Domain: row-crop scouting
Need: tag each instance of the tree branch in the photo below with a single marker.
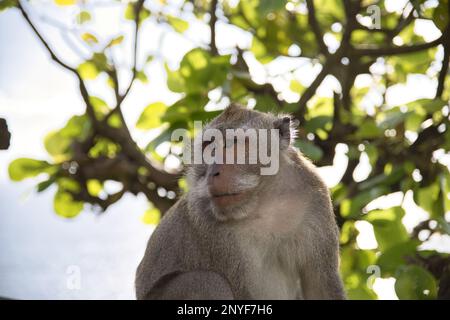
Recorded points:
(132, 157)
(443, 73)
(311, 90)
(445, 61)
(315, 26)
(83, 89)
(137, 13)
(212, 26)
(376, 52)
(43, 41)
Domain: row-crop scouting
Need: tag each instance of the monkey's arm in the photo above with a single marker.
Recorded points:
(320, 269)
(321, 283)
(195, 285)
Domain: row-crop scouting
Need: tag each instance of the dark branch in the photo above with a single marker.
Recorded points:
(376, 52)
(445, 61)
(443, 73)
(212, 26)
(43, 41)
(315, 26)
(137, 13)
(311, 90)
(83, 90)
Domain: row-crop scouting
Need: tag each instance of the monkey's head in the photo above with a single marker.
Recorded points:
(245, 149)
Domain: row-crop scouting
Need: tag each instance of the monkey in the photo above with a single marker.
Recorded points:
(237, 234)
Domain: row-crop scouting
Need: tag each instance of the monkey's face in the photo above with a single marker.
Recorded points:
(225, 188)
(230, 183)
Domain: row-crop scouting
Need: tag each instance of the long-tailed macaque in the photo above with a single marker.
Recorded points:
(238, 234)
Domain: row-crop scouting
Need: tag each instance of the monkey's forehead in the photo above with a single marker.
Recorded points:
(256, 121)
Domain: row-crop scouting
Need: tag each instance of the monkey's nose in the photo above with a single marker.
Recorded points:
(215, 170)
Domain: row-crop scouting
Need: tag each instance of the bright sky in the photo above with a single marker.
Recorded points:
(37, 96)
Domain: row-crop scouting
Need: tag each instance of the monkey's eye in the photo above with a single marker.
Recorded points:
(231, 142)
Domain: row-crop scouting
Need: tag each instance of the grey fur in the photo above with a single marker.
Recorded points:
(281, 244)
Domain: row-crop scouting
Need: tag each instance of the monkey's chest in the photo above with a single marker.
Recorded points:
(271, 275)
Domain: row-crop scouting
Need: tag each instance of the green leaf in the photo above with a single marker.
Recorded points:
(89, 38)
(260, 51)
(368, 130)
(100, 61)
(141, 76)
(88, 70)
(413, 121)
(104, 147)
(68, 184)
(317, 123)
(391, 118)
(348, 232)
(266, 6)
(309, 150)
(417, 62)
(164, 136)
(175, 82)
(100, 107)
(6, 4)
(149, 59)
(65, 206)
(322, 106)
(441, 15)
(383, 179)
(353, 268)
(445, 187)
(130, 12)
(427, 197)
(395, 256)
(115, 41)
(23, 168)
(414, 282)
(296, 87)
(94, 187)
(249, 11)
(115, 121)
(150, 118)
(178, 24)
(65, 2)
(83, 17)
(57, 143)
(42, 186)
(199, 72)
(353, 207)
(151, 216)
(184, 109)
(388, 227)
(265, 103)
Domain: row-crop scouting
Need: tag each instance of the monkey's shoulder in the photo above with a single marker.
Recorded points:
(176, 247)
(174, 232)
(164, 255)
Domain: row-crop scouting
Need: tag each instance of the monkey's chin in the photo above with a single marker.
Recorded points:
(229, 207)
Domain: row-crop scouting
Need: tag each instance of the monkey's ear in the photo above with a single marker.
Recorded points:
(233, 108)
(287, 127)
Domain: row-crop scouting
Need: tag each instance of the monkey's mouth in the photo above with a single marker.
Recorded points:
(226, 199)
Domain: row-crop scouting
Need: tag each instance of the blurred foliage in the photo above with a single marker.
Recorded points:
(339, 40)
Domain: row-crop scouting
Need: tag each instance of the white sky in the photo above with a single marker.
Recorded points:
(37, 96)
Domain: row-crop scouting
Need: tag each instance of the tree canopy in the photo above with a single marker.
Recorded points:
(362, 48)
